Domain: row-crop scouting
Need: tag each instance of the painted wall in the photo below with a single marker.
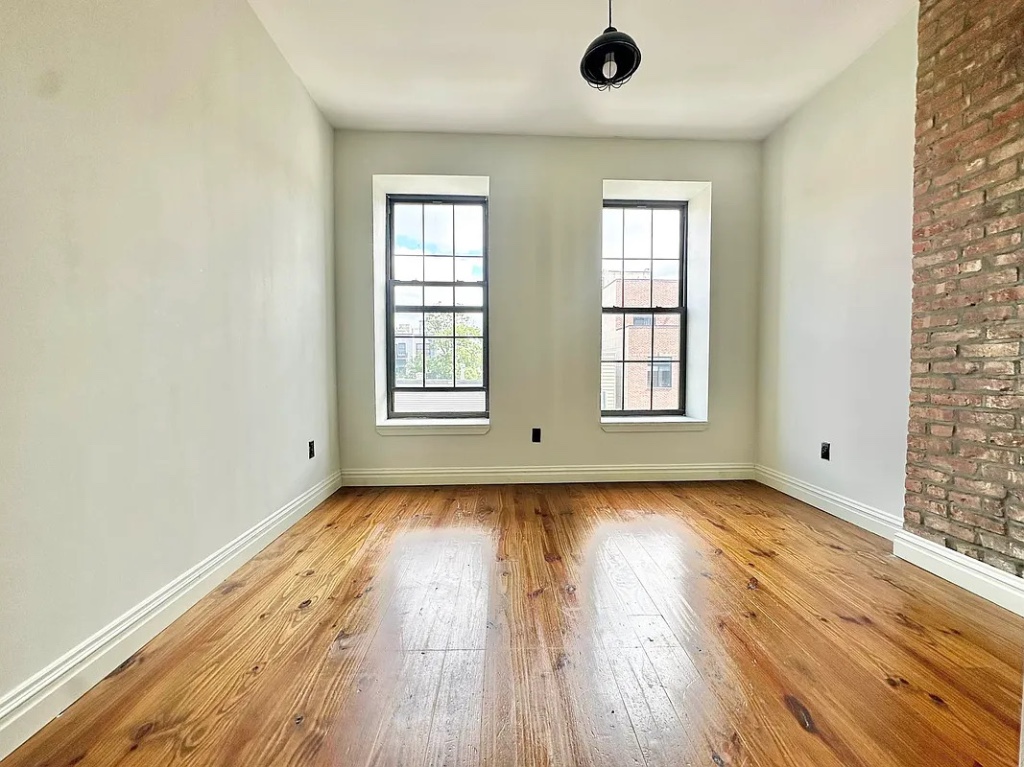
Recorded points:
(835, 298)
(166, 303)
(545, 300)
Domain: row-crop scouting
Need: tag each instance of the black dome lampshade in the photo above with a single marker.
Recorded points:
(611, 59)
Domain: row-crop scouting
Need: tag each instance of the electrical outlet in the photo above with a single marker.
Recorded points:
(826, 451)
(536, 435)
(312, 449)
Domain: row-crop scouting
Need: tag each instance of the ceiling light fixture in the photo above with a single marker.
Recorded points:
(611, 59)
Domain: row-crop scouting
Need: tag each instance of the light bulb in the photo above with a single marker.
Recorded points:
(610, 68)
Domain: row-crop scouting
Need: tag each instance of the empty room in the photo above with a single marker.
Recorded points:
(628, 383)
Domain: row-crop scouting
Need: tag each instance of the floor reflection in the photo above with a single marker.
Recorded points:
(419, 692)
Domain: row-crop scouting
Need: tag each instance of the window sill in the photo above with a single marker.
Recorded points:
(653, 424)
(425, 427)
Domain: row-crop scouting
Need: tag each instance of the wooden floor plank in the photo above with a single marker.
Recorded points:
(717, 624)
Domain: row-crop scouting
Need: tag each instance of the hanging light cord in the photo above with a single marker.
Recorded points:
(609, 13)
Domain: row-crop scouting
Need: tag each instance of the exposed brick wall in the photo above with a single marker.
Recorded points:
(965, 458)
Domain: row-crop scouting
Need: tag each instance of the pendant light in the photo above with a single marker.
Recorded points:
(611, 59)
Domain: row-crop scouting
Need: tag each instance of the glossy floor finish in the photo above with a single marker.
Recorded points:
(661, 624)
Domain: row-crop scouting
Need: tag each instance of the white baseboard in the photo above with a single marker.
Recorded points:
(497, 475)
(32, 704)
(866, 517)
(984, 580)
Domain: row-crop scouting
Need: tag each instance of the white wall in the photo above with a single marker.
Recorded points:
(544, 218)
(166, 303)
(836, 292)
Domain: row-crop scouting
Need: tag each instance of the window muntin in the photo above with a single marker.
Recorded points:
(643, 308)
(437, 307)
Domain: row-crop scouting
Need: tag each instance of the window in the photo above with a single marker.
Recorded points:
(643, 308)
(436, 307)
(660, 375)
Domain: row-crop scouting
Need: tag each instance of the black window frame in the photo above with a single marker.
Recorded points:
(679, 310)
(392, 309)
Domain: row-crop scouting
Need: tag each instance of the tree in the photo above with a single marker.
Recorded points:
(462, 356)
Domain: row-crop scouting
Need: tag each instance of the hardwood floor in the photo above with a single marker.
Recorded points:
(661, 624)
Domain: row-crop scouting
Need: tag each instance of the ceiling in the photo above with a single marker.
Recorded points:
(725, 69)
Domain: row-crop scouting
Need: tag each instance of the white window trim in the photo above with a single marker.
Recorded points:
(383, 185)
(697, 196)
(652, 424)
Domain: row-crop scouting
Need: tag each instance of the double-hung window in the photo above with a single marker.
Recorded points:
(643, 308)
(436, 307)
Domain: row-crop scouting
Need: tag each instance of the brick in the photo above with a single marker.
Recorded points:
(932, 382)
(957, 399)
(1007, 151)
(972, 520)
(991, 177)
(935, 352)
(949, 527)
(927, 474)
(956, 336)
(1005, 476)
(981, 487)
(990, 350)
(1005, 402)
(958, 367)
(999, 368)
(1005, 564)
(986, 384)
(982, 452)
(1001, 545)
(1007, 439)
(1010, 187)
(1006, 276)
(997, 420)
(991, 245)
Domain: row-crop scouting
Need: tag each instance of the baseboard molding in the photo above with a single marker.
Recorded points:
(31, 705)
(497, 475)
(984, 580)
(866, 517)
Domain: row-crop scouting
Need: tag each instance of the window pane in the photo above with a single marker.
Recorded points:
(636, 288)
(638, 336)
(666, 234)
(437, 230)
(408, 324)
(469, 230)
(437, 296)
(469, 324)
(611, 386)
(666, 284)
(667, 386)
(408, 268)
(469, 269)
(406, 296)
(469, 296)
(611, 281)
(469, 362)
(637, 228)
(638, 387)
(408, 362)
(611, 233)
(440, 324)
(611, 336)
(438, 269)
(440, 362)
(666, 336)
(427, 402)
(407, 221)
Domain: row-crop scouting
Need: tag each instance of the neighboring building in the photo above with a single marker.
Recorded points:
(641, 351)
